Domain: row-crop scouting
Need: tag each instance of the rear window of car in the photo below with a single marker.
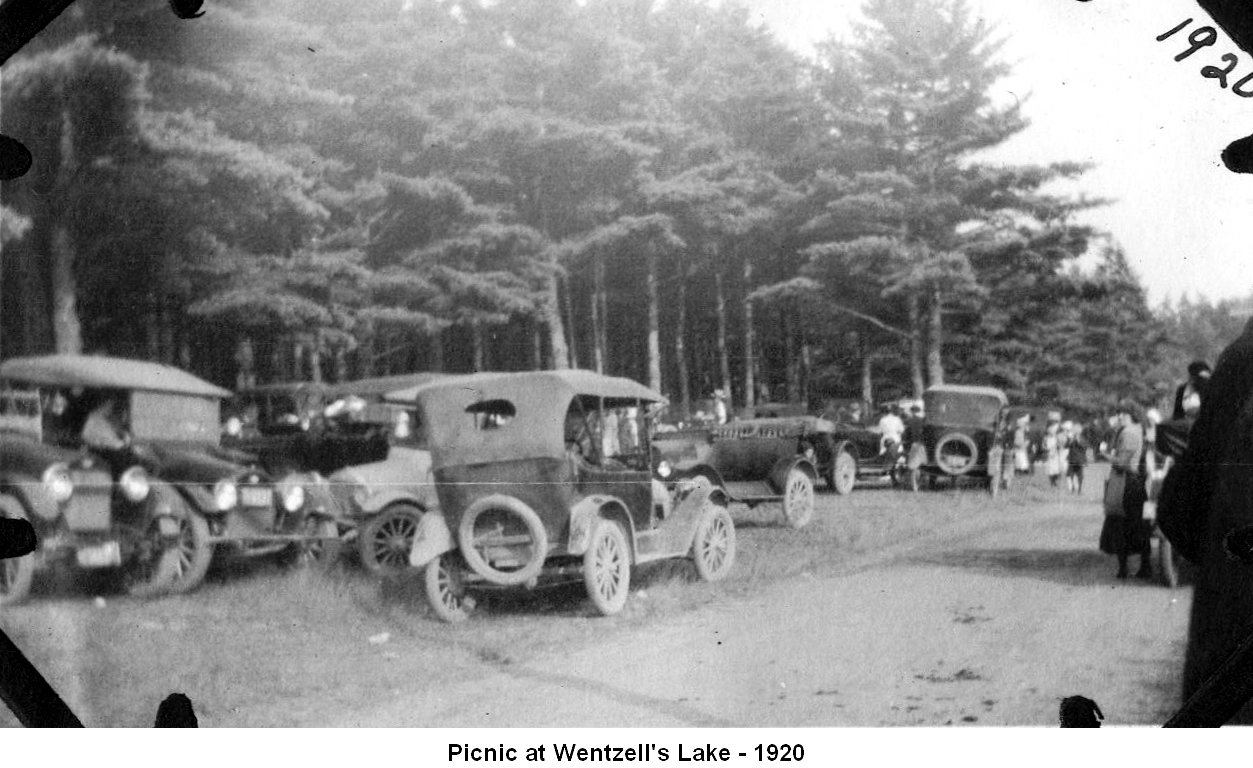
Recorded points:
(166, 417)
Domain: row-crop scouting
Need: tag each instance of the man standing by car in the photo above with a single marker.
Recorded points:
(1208, 494)
(892, 428)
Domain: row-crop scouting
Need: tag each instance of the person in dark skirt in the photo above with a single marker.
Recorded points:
(1126, 532)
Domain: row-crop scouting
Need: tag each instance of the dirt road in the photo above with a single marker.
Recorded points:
(890, 609)
(991, 625)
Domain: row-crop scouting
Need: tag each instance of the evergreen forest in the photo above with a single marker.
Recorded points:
(325, 190)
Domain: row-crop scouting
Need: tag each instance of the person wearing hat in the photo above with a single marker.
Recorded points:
(1125, 531)
(1188, 394)
(1052, 445)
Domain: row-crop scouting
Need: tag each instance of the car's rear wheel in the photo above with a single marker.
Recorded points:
(386, 539)
(843, 472)
(798, 498)
(444, 579)
(16, 573)
(607, 567)
(192, 549)
(713, 549)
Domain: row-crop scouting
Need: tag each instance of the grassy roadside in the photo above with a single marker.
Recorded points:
(271, 647)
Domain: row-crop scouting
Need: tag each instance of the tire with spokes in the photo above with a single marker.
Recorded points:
(607, 567)
(713, 549)
(152, 566)
(843, 472)
(386, 539)
(798, 498)
(444, 581)
(192, 551)
(16, 573)
(321, 547)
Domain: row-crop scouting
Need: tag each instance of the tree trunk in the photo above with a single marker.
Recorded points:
(791, 359)
(168, 328)
(599, 316)
(365, 355)
(315, 360)
(654, 323)
(565, 317)
(720, 311)
(806, 367)
(245, 357)
(867, 379)
(680, 352)
(436, 345)
(339, 363)
(476, 347)
(550, 313)
(749, 342)
(915, 345)
(537, 346)
(935, 339)
(66, 330)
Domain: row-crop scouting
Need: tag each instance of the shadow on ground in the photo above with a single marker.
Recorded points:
(1075, 567)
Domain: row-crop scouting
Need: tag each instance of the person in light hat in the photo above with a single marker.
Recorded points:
(1052, 445)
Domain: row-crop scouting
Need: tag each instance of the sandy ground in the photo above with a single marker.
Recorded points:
(992, 625)
(989, 615)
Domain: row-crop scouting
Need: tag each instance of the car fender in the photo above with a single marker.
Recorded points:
(778, 473)
(697, 470)
(377, 502)
(430, 540)
(198, 497)
(31, 494)
(687, 510)
(584, 515)
(163, 506)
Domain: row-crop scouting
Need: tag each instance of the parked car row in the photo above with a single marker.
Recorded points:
(479, 482)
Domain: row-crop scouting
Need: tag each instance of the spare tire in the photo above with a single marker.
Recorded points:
(956, 454)
(512, 519)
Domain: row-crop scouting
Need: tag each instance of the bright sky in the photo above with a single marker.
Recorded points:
(1104, 91)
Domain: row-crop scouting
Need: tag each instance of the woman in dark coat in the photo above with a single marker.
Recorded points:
(1129, 533)
(1207, 494)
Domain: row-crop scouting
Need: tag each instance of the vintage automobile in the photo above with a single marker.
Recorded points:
(964, 434)
(167, 421)
(90, 509)
(763, 460)
(373, 452)
(547, 476)
(862, 445)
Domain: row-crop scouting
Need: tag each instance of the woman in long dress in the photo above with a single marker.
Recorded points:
(1126, 532)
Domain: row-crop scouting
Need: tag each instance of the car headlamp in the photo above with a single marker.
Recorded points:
(135, 484)
(56, 480)
(225, 495)
(292, 496)
(664, 470)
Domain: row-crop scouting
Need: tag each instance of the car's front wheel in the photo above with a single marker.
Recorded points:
(321, 547)
(798, 498)
(153, 565)
(444, 580)
(192, 549)
(713, 549)
(843, 475)
(607, 568)
(385, 541)
(16, 573)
